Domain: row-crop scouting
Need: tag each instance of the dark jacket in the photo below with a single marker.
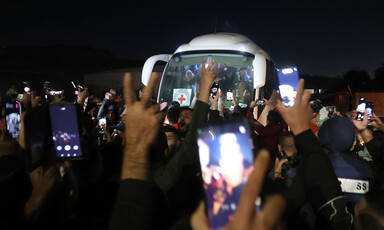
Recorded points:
(337, 134)
(316, 183)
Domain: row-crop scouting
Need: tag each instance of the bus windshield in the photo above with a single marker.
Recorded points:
(234, 72)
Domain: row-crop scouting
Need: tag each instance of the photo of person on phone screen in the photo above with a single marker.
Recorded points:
(230, 167)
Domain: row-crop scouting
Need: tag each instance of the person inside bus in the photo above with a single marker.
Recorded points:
(242, 75)
(242, 95)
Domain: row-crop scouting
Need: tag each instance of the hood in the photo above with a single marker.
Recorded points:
(337, 134)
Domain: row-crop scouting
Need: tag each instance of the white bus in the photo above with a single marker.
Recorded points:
(237, 59)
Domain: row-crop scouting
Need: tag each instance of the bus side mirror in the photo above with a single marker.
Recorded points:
(150, 63)
(259, 70)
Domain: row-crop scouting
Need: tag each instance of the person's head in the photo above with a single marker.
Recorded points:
(340, 110)
(111, 115)
(119, 96)
(242, 71)
(241, 85)
(174, 104)
(273, 117)
(231, 160)
(287, 143)
(189, 75)
(369, 211)
(91, 108)
(316, 106)
(173, 140)
(184, 119)
(337, 134)
(173, 114)
(118, 137)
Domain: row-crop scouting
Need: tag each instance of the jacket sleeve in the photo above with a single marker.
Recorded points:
(104, 108)
(214, 116)
(317, 182)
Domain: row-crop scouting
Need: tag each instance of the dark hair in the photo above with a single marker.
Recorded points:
(287, 140)
(273, 117)
(174, 104)
(342, 109)
(170, 128)
(173, 114)
(185, 108)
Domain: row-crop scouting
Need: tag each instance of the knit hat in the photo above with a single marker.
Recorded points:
(337, 134)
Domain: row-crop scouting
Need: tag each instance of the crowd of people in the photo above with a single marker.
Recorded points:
(140, 169)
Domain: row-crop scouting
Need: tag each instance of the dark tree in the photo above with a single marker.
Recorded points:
(358, 80)
(378, 81)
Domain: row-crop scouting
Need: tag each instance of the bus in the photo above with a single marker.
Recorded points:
(240, 66)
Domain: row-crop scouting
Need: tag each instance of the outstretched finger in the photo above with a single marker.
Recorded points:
(203, 65)
(148, 91)
(199, 220)
(252, 189)
(299, 91)
(280, 107)
(272, 210)
(306, 97)
(129, 95)
(210, 65)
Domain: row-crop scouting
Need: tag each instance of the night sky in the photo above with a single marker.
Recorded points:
(320, 38)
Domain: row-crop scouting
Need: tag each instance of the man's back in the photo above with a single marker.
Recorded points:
(353, 173)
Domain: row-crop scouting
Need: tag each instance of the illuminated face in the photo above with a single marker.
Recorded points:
(172, 141)
(231, 160)
(111, 115)
(184, 120)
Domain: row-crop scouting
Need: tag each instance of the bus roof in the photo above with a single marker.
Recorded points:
(223, 41)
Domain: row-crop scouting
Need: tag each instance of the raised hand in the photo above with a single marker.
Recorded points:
(83, 94)
(299, 116)
(207, 77)
(376, 122)
(359, 124)
(142, 122)
(42, 182)
(245, 216)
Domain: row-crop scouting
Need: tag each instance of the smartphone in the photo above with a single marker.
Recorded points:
(214, 90)
(102, 121)
(20, 97)
(229, 95)
(226, 158)
(330, 108)
(13, 118)
(288, 82)
(369, 111)
(65, 131)
(361, 106)
(281, 155)
(260, 102)
(27, 88)
(59, 92)
(208, 61)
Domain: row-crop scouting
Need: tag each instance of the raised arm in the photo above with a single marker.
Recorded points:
(316, 179)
